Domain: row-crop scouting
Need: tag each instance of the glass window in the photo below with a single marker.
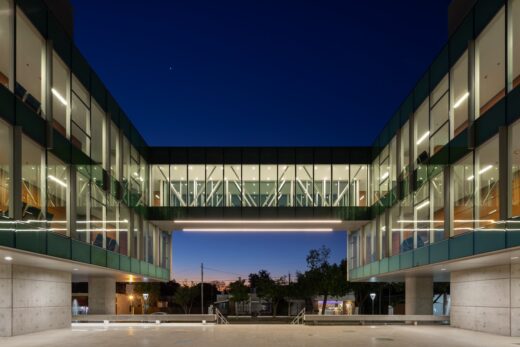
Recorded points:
(114, 151)
(422, 216)
(358, 185)
(375, 179)
(60, 94)
(383, 234)
(490, 64)
(80, 117)
(124, 227)
(214, 185)
(459, 95)
(304, 191)
(437, 208)
(144, 181)
(286, 185)
(178, 185)
(160, 178)
(82, 202)
(486, 173)
(463, 190)
(393, 162)
(514, 132)
(30, 63)
(57, 182)
(514, 16)
(250, 185)
(384, 176)
(439, 115)
(112, 224)
(421, 134)
(322, 180)
(6, 143)
(354, 247)
(370, 240)
(233, 179)
(97, 222)
(396, 224)
(267, 185)
(340, 185)
(98, 135)
(33, 182)
(135, 243)
(126, 161)
(406, 222)
(6, 38)
(196, 185)
(404, 149)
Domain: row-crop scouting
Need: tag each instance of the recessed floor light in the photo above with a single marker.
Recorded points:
(8, 258)
(443, 269)
(75, 269)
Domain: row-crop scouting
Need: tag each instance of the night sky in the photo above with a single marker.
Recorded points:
(259, 73)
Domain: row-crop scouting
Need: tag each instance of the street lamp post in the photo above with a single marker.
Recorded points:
(145, 297)
(373, 297)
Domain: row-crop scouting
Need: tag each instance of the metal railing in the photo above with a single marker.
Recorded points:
(300, 318)
(220, 317)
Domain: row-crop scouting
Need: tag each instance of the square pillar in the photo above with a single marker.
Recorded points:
(419, 295)
(101, 295)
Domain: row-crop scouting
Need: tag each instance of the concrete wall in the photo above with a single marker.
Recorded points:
(101, 295)
(419, 295)
(487, 299)
(33, 299)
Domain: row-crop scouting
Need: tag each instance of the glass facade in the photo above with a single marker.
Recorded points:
(96, 180)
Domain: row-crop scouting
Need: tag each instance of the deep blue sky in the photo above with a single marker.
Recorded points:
(259, 73)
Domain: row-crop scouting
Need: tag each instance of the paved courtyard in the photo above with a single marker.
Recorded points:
(259, 335)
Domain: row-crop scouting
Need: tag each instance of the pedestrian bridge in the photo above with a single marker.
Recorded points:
(260, 189)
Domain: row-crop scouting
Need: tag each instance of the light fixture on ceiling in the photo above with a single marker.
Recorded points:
(57, 180)
(8, 258)
(422, 205)
(485, 169)
(423, 137)
(239, 230)
(59, 96)
(259, 221)
(461, 100)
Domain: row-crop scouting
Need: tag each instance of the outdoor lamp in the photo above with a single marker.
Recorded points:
(372, 296)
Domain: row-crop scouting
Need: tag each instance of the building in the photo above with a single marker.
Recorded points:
(84, 198)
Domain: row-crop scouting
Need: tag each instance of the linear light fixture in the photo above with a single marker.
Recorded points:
(422, 205)
(485, 169)
(423, 137)
(239, 230)
(272, 221)
(57, 180)
(461, 100)
(59, 96)
(385, 176)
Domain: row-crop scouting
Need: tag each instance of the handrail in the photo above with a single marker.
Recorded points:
(300, 317)
(220, 317)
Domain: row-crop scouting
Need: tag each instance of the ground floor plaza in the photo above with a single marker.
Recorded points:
(261, 335)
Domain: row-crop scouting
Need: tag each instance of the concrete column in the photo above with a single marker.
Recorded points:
(33, 299)
(102, 295)
(419, 295)
(487, 299)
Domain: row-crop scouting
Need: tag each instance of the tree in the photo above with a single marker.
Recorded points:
(239, 291)
(184, 297)
(273, 290)
(324, 278)
(152, 289)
